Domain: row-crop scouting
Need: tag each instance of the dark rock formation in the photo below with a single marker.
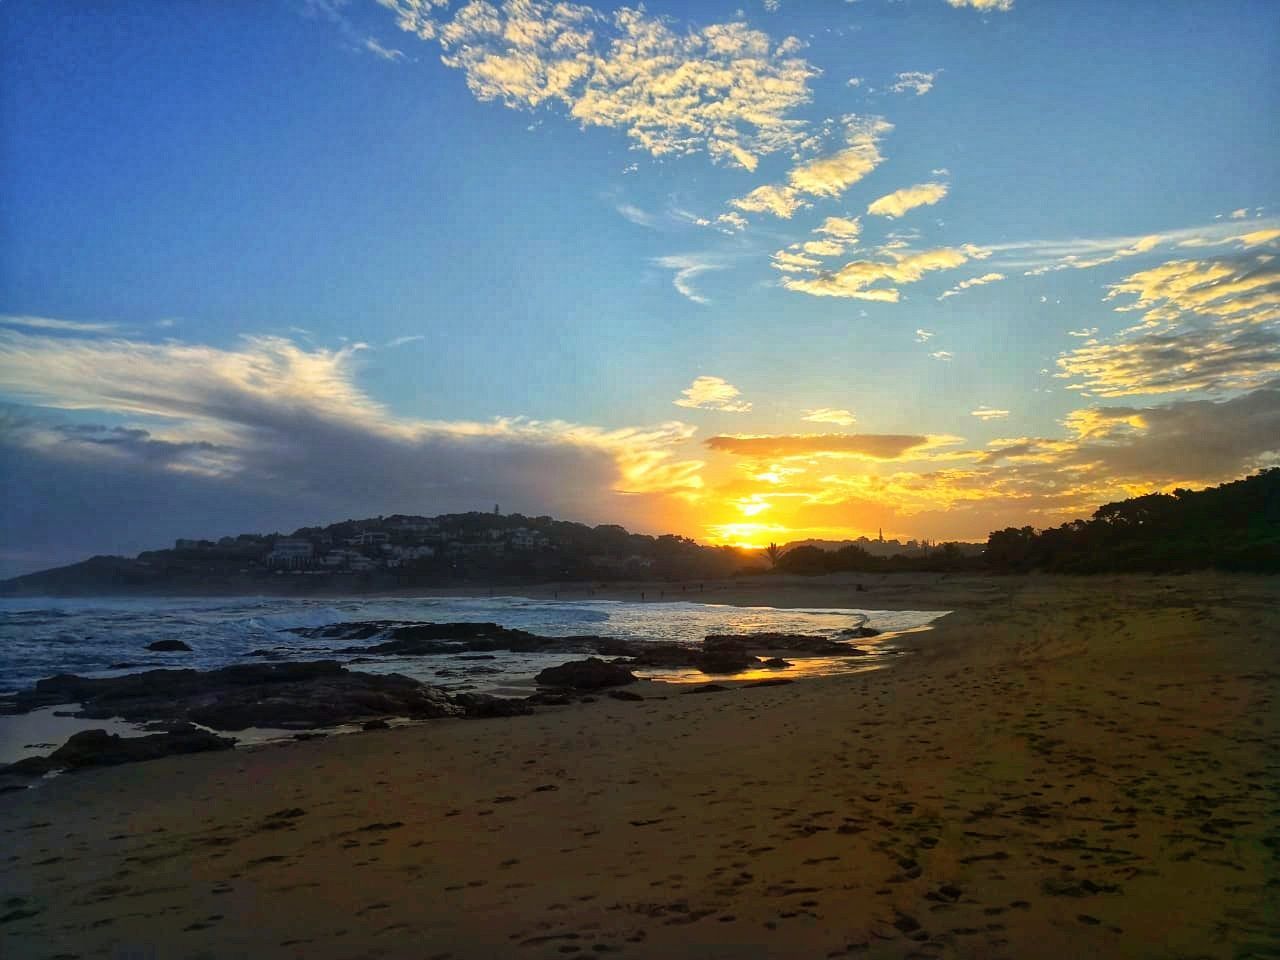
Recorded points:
(777, 663)
(97, 748)
(624, 695)
(166, 646)
(590, 674)
(281, 695)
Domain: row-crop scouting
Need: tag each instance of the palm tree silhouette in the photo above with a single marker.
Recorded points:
(773, 553)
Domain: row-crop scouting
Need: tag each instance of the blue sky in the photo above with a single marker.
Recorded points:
(496, 246)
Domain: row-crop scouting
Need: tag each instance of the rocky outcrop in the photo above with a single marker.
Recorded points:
(280, 695)
(97, 748)
(169, 646)
(589, 674)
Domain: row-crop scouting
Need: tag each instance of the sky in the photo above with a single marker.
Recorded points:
(746, 271)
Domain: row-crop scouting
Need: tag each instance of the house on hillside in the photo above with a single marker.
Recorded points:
(290, 554)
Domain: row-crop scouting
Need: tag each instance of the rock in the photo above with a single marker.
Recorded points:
(771, 682)
(589, 674)
(484, 705)
(282, 695)
(165, 646)
(97, 748)
(378, 724)
(624, 695)
(726, 660)
(777, 663)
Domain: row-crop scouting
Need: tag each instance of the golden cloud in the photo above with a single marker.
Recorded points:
(875, 446)
(854, 280)
(724, 88)
(713, 393)
(899, 202)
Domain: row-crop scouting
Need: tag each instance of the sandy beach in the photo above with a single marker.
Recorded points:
(1062, 768)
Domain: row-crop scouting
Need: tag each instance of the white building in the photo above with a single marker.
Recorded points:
(522, 538)
(408, 554)
(290, 554)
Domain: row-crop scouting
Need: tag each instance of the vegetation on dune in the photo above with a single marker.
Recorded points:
(1235, 526)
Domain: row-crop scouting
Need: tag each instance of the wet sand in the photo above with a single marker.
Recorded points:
(1064, 767)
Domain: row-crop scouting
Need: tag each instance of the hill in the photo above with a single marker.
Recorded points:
(1235, 526)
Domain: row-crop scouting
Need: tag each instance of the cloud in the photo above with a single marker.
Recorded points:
(687, 267)
(640, 218)
(844, 229)
(781, 201)
(386, 53)
(972, 282)
(989, 413)
(792, 262)
(401, 341)
(1003, 6)
(923, 336)
(840, 417)
(825, 176)
(823, 248)
(1105, 454)
(942, 355)
(913, 81)
(1239, 214)
(874, 446)
(1244, 290)
(1038, 257)
(713, 393)
(855, 280)
(831, 175)
(724, 89)
(897, 204)
(270, 429)
(1153, 362)
(1084, 332)
(48, 323)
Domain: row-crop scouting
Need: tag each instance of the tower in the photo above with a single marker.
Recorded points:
(882, 534)
(495, 510)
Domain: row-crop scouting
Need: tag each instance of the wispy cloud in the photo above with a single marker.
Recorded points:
(840, 417)
(713, 393)
(401, 341)
(1002, 6)
(386, 53)
(49, 323)
(985, 413)
(874, 446)
(688, 267)
(923, 336)
(640, 218)
(971, 282)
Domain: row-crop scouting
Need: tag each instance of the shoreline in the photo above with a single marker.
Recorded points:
(1058, 770)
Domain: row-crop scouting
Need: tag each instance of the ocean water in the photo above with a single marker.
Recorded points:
(103, 637)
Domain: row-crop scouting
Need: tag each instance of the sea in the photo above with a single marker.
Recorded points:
(104, 637)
